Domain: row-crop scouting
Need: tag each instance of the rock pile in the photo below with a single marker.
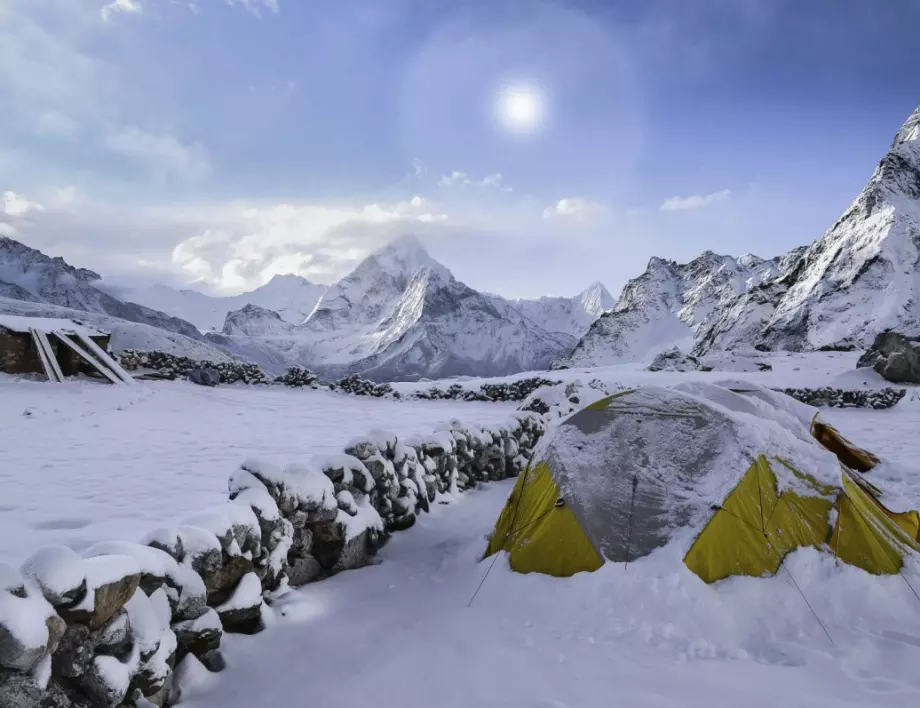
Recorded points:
(895, 357)
(357, 385)
(299, 377)
(115, 626)
(504, 391)
(170, 366)
(838, 398)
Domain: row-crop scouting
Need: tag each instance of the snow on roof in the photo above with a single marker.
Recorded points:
(18, 323)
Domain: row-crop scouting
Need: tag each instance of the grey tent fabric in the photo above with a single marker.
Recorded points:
(632, 470)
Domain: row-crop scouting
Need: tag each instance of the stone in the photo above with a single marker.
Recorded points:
(75, 652)
(204, 376)
(200, 635)
(60, 574)
(221, 581)
(242, 612)
(108, 599)
(303, 569)
(895, 357)
(15, 653)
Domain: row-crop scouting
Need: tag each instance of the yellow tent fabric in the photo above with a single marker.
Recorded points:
(539, 535)
(547, 525)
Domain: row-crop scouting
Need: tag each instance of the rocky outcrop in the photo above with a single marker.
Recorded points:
(676, 360)
(109, 628)
(895, 357)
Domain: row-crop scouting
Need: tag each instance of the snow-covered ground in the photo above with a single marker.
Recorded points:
(84, 462)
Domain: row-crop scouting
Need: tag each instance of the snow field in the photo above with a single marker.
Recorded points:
(84, 462)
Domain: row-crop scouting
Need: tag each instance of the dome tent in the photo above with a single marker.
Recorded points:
(738, 481)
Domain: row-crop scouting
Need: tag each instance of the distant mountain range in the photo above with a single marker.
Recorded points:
(402, 315)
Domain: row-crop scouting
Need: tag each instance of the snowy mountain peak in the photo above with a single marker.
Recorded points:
(596, 299)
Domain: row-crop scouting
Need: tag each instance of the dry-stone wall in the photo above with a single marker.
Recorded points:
(115, 625)
(837, 398)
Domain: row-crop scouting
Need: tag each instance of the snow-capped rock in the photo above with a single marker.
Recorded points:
(29, 275)
(667, 305)
(255, 321)
(572, 316)
(861, 277)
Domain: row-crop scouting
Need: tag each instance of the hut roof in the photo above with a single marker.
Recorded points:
(17, 323)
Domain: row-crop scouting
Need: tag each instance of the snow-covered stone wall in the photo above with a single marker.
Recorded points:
(828, 397)
(122, 623)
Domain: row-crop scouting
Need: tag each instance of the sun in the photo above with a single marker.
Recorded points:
(521, 108)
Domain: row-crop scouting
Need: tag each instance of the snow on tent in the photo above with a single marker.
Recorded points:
(735, 478)
(57, 348)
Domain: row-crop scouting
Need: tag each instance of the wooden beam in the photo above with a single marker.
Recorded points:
(85, 355)
(52, 357)
(43, 356)
(106, 358)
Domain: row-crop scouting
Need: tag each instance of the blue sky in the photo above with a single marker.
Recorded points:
(222, 142)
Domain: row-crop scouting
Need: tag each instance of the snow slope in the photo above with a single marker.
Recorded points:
(291, 296)
(648, 634)
(29, 275)
(667, 305)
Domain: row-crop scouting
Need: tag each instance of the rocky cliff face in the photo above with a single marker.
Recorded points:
(863, 276)
(668, 305)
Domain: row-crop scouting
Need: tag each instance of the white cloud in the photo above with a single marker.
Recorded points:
(696, 201)
(125, 6)
(254, 6)
(247, 245)
(462, 179)
(16, 206)
(57, 125)
(165, 154)
(576, 208)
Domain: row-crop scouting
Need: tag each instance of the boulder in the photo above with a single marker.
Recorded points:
(204, 376)
(242, 612)
(199, 636)
(303, 569)
(111, 582)
(60, 574)
(895, 357)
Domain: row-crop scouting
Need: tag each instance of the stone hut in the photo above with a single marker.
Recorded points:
(19, 349)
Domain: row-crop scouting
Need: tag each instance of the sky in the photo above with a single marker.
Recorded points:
(533, 146)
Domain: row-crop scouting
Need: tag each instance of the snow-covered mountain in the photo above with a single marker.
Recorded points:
(27, 274)
(863, 275)
(667, 305)
(400, 315)
(291, 296)
(860, 278)
(568, 315)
